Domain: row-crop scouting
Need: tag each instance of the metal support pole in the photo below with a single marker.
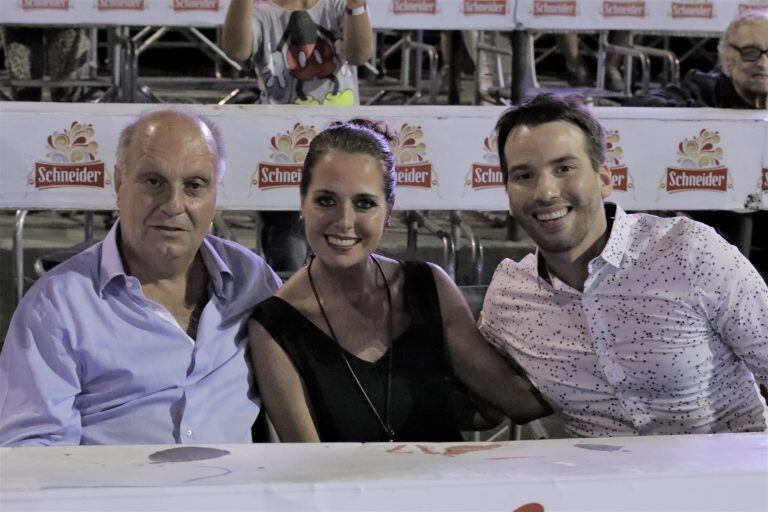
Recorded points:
(523, 67)
(18, 252)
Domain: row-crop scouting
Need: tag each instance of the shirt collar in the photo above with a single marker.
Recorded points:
(111, 264)
(615, 247)
(618, 239)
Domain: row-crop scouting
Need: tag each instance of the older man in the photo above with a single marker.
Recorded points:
(627, 324)
(141, 338)
(740, 82)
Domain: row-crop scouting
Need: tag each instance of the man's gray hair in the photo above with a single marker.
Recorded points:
(126, 135)
(748, 17)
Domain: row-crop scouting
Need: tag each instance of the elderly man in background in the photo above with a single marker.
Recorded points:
(741, 81)
(628, 324)
(141, 338)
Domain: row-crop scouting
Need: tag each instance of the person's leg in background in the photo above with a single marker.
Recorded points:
(282, 240)
(24, 59)
(67, 60)
(575, 68)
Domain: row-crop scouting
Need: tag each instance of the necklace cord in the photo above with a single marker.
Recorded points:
(385, 422)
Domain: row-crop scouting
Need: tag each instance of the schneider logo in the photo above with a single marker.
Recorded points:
(108, 5)
(693, 10)
(679, 179)
(743, 8)
(411, 166)
(700, 165)
(288, 151)
(195, 5)
(554, 8)
(631, 9)
(44, 4)
(72, 160)
(486, 174)
(485, 7)
(414, 6)
(621, 180)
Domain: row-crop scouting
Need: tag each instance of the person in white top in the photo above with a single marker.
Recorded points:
(628, 324)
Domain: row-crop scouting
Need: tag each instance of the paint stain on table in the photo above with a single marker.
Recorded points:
(599, 447)
(186, 454)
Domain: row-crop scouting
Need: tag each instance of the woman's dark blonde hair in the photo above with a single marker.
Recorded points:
(357, 136)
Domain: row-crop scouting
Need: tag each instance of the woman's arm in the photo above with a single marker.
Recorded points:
(483, 370)
(281, 388)
(358, 35)
(237, 36)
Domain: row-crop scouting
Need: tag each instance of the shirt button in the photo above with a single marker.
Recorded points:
(189, 432)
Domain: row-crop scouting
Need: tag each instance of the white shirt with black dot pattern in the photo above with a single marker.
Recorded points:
(670, 335)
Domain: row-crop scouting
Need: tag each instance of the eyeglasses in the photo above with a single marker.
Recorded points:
(749, 53)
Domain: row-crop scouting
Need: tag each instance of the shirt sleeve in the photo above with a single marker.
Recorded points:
(735, 298)
(38, 380)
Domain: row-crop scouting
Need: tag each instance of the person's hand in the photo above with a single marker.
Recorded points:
(275, 68)
(355, 3)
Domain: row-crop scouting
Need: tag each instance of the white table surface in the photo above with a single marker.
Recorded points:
(725, 472)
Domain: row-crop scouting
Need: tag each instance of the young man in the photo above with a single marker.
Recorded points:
(627, 324)
(141, 338)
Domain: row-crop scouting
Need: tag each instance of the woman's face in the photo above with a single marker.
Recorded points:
(345, 208)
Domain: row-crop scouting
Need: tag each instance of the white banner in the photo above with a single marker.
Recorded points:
(61, 156)
(400, 14)
(657, 16)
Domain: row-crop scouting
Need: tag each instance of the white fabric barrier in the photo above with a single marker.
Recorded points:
(400, 14)
(723, 472)
(657, 16)
(61, 156)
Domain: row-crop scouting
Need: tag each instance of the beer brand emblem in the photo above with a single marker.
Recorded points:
(486, 174)
(414, 6)
(28, 5)
(700, 166)
(621, 180)
(410, 164)
(616, 8)
(485, 7)
(288, 151)
(112, 5)
(196, 5)
(744, 8)
(71, 161)
(555, 7)
(693, 10)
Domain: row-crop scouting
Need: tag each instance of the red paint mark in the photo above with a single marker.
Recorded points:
(427, 449)
(461, 449)
(530, 507)
(396, 449)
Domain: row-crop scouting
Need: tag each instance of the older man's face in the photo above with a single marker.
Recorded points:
(749, 78)
(166, 191)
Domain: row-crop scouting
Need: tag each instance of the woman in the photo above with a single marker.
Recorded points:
(359, 347)
(305, 52)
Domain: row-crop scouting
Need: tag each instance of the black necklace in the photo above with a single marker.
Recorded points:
(385, 422)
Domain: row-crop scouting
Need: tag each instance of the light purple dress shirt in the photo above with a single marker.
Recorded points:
(89, 359)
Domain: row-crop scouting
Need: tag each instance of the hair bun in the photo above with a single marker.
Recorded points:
(379, 127)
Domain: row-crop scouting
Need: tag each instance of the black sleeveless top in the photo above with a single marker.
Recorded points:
(421, 376)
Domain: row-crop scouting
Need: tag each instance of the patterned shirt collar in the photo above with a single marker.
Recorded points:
(619, 225)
